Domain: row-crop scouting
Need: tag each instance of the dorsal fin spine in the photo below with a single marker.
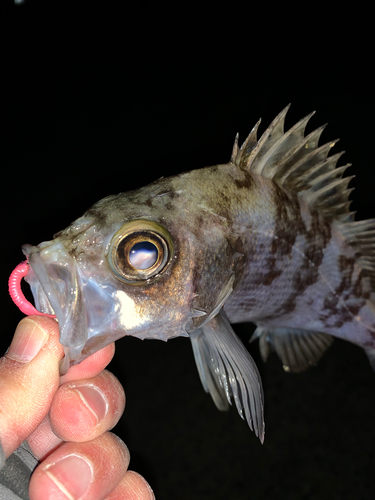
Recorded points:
(275, 130)
(289, 140)
(248, 146)
(302, 153)
(235, 149)
(329, 176)
(326, 165)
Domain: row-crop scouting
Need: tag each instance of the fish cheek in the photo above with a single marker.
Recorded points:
(170, 297)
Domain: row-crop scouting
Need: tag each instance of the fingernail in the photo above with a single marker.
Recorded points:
(94, 400)
(28, 340)
(72, 475)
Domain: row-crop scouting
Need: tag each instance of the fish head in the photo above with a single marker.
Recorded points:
(133, 264)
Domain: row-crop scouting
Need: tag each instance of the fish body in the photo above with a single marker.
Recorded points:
(267, 238)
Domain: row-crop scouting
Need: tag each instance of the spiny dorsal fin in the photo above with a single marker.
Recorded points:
(296, 163)
(300, 166)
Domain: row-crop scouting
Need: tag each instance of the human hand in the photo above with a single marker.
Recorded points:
(65, 419)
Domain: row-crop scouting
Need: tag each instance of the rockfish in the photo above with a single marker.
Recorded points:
(267, 238)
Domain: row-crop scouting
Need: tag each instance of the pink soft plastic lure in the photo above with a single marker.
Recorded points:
(16, 293)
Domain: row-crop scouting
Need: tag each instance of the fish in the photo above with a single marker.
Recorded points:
(266, 238)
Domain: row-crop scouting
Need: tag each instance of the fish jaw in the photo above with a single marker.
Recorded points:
(83, 307)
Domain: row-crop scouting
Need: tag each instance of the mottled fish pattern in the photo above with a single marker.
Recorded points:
(267, 238)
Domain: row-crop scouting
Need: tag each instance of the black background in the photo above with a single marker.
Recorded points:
(102, 97)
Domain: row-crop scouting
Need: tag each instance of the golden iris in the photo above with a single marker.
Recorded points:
(139, 251)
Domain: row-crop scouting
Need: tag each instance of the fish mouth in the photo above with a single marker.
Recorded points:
(46, 297)
(83, 307)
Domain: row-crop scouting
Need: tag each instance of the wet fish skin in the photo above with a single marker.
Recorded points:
(267, 238)
(301, 273)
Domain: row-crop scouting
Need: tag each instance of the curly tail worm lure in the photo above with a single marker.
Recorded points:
(16, 293)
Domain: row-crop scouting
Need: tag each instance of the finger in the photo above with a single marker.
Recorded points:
(43, 440)
(29, 378)
(132, 487)
(82, 410)
(81, 470)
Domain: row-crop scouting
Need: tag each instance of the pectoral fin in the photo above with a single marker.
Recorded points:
(297, 349)
(209, 379)
(227, 370)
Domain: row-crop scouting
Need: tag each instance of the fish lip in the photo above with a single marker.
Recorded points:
(55, 284)
(37, 264)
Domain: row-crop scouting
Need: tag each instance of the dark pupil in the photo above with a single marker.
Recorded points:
(143, 255)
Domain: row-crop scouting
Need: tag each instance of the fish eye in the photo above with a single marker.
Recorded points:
(139, 251)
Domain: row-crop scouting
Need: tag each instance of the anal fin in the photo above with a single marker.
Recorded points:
(297, 349)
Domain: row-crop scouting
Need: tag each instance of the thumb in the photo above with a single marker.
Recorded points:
(29, 378)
